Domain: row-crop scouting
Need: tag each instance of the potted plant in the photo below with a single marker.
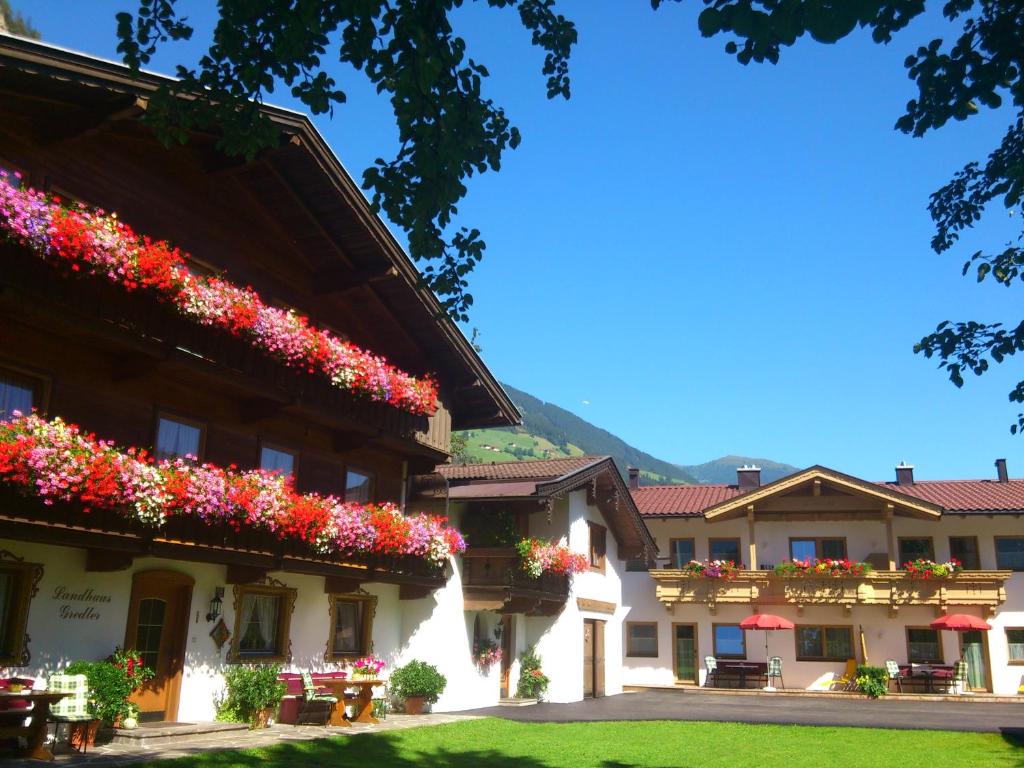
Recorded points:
(253, 694)
(418, 683)
(532, 680)
(111, 682)
(872, 681)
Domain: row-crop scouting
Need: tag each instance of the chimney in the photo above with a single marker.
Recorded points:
(748, 478)
(1001, 471)
(904, 473)
(634, 478)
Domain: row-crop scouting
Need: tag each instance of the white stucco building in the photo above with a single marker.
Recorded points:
(675, 621)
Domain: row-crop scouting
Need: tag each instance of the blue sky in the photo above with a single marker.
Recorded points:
(706, 258)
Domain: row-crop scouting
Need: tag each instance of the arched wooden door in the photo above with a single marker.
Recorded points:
(158, 629)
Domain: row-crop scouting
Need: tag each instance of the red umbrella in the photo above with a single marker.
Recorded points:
(961, 622)
(766, 622)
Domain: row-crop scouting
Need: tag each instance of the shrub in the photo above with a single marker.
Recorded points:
(111, 682)
(250, 688)
(873, 681)
(417, 679)
(533, 683)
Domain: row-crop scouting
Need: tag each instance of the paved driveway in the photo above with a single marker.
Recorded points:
(788, 710)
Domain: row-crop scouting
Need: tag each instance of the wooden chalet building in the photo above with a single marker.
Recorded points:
(293, 225)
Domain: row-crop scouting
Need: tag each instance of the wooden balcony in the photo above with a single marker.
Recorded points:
(152, 340)
(112, 542)
(893, 589)
(493, 579)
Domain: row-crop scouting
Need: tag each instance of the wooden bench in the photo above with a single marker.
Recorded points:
(739, 673)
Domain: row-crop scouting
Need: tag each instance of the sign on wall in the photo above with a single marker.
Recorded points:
(80, 605)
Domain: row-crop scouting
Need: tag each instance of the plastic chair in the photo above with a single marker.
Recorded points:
(893, 670)
(961, 684)
(848, 681)
(711, 663)
(313, 698)
(73, 708)
(775, 670)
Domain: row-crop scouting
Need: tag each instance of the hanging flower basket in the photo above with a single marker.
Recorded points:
(539, 557)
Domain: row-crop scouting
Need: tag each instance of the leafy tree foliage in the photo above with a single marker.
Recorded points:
(15, 23)
(981, 68)
(447, 129)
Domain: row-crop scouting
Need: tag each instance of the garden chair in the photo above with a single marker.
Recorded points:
(775, 670)
(960, 683)
(893, 670)
(313, 698)
(848, 681)
(711, 663)
(71, 709)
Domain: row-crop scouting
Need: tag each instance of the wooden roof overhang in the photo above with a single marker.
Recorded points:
(337, 249)
(112, 542)
(605, 490)
(822, 493)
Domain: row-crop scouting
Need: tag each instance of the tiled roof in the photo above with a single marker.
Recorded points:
(951, 495)
(967, 495)
(681, 499)
(544, 469)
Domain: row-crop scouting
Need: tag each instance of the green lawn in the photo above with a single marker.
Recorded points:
(505, 744)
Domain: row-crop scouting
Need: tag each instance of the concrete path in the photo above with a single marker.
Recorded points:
(788, 710)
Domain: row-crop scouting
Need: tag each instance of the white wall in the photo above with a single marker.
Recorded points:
(885, 635)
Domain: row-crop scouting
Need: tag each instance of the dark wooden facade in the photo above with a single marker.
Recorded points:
(290, 223)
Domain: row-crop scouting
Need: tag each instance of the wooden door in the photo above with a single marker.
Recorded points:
(157, 628)
(507, 655)
(684, 652)
(588, 657)
(598, 658)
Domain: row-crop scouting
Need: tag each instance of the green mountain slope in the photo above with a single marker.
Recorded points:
(723, 470)
(551, 432)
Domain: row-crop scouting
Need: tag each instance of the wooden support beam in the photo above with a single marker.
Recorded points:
(413, 591)
(338, 278)
(107, 560)
(836, 503)
(244, 574)
(83, 121)
(340, 584)
(890, 537)
(750, 538)
(817, 488)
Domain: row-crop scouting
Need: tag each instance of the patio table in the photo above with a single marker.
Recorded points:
(31, 723)
(741, 668)
(363, 700)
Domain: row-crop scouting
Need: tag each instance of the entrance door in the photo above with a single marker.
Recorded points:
(507, 655)
(684, 652)
(593, 658)
(157, 628)
(974, 652)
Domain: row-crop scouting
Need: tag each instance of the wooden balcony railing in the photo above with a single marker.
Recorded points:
(496, 573)
(893, 589)
(143, 328)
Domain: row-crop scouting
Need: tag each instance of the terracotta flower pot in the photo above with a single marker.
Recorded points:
(83, 734)
(414, 705)
(261, 718)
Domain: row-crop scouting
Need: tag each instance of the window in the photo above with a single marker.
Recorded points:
(351, 626)
(18, 582)
(1015, 645)
(730, 642)
(1010, 553)
(598, 543)
(915, 549)
(277, 461)
(642, 639)
(824, 643)
(817, 548)
(175, 437)
(965, 549)
(923, 645)
(724, 549)
(681, 552)
(18, 393)
(262, 619)
(358, 487)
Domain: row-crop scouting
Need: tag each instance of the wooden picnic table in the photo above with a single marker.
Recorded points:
(30, 724)
(740, 669)
(363, 700)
